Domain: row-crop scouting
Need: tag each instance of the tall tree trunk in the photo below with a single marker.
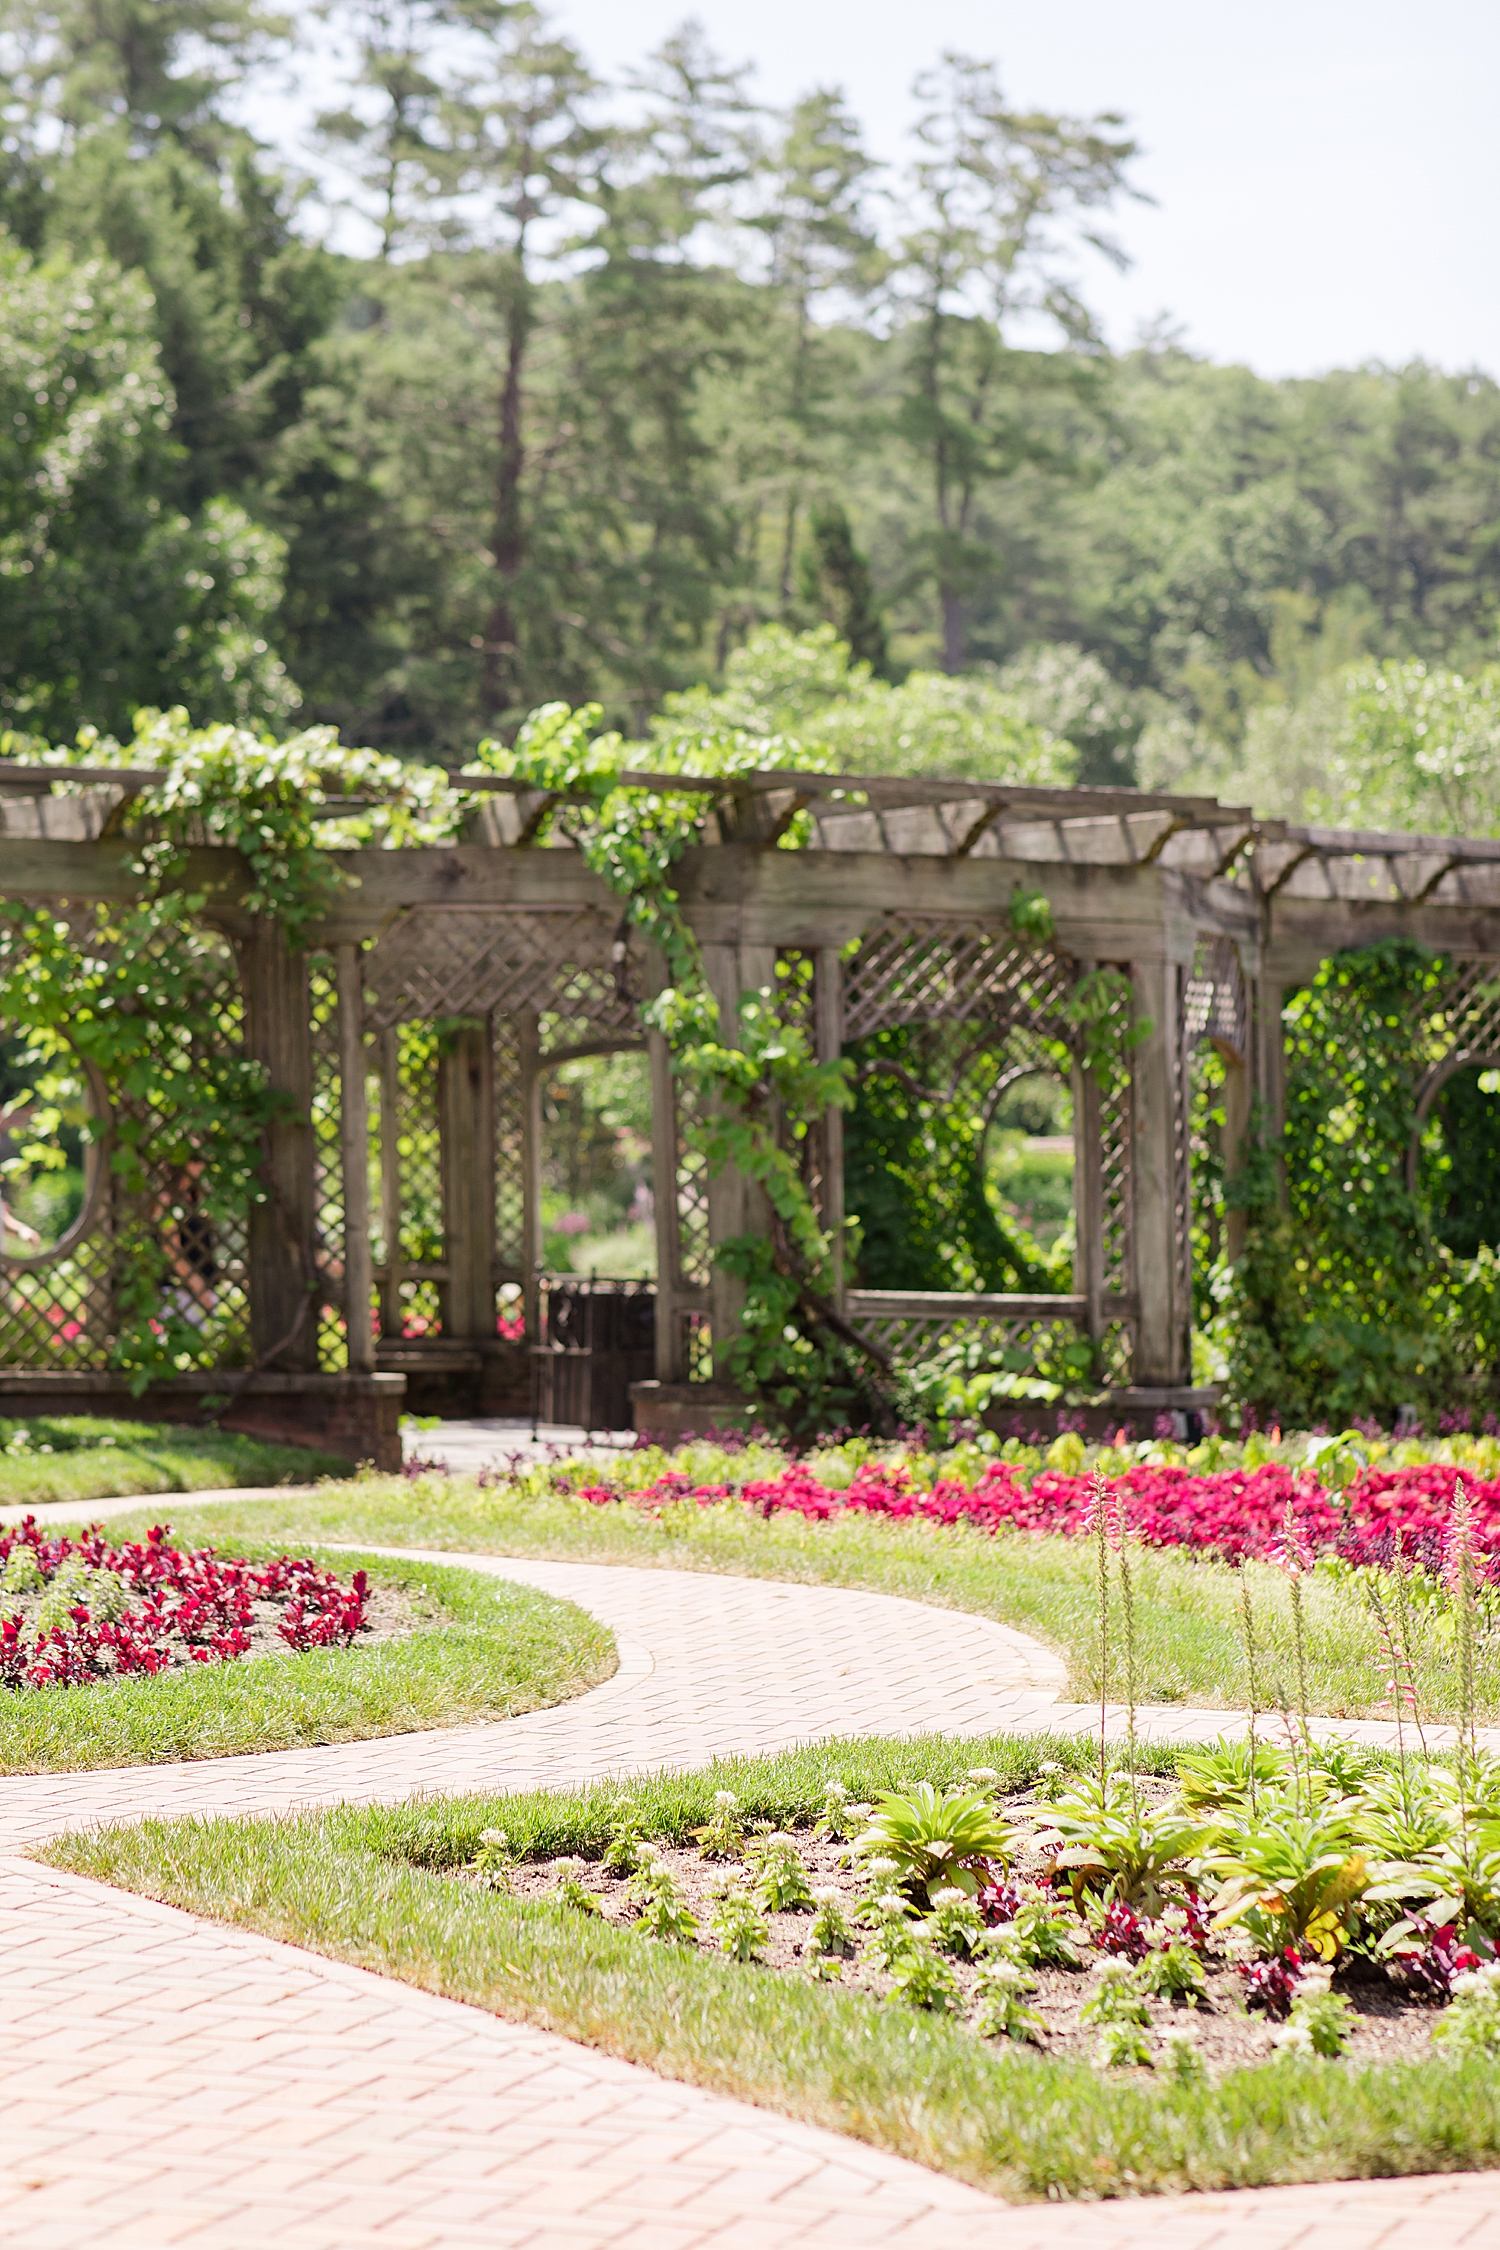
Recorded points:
(501, 678)
(955, 630)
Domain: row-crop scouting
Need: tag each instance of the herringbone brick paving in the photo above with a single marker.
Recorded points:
(166, 2080)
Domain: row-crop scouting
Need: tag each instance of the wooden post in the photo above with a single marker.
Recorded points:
(283, 1281)
(467, 1142)
(1163, 1356)
(528, 1041)
(828, 1001)
(354, 1156)
(664, 1195)
(1088, 1197)
(390, 1181)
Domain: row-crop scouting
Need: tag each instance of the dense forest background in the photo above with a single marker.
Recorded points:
(631, 373)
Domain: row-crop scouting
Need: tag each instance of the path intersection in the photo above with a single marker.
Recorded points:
(167, 2080)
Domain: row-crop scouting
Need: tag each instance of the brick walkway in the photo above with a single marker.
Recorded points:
(165, 2080)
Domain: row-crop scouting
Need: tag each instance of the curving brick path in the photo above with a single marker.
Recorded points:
(166, 2080)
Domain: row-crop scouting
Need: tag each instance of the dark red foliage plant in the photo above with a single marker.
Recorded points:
(146, 1606)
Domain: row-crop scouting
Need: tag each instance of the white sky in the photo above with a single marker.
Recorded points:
(1325, 172)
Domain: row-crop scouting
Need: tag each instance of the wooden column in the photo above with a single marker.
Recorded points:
(390, 1182)
(283, 1281)
(828, 989)
(528, 1040)
(664, 1197)
(1088, 1197)
(354, 1157)
(1163, 1355)
(468, 1157)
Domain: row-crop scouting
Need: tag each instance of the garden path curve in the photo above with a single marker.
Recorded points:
(166, 2080)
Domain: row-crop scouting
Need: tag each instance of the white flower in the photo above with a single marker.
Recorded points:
(948, 1897)
(826, 1894)
(726, 1800)
(982, 1776)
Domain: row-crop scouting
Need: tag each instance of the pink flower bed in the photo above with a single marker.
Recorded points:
(1230, 1513)
(178, 1607)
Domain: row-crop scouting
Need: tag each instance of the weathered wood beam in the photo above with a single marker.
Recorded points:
(354, 1154)
(283, 1313)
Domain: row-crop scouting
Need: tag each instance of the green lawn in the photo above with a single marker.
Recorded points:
(373, 1887)
(82, 1457)
(483, 1649)
(1189, 1646)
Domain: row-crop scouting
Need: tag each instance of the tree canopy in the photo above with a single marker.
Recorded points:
(494, 383)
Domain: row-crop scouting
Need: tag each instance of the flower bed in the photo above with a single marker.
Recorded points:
(76, 1610)
(1276, 1902)
(1231, 1513)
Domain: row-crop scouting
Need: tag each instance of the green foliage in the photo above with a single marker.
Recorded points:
(778, 1879)
(923, 1979)
(1348, 1302)
(937, 1839)
(110, 594)
(1002, 2012)
(1116, 1843)
(739, 1926)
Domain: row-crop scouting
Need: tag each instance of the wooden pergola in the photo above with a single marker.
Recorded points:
(413, 1033)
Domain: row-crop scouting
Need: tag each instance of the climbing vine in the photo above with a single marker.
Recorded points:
(1360, 1292)
(132, 991)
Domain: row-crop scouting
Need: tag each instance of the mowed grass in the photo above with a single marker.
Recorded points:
(91, 1458)
(1189, 1636)
(484, 1648)
(375, 1888)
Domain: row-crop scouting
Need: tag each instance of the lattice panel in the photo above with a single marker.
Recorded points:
(916, 969)
(1216, 1002)
(1469, 1022)
(695, 1261)
(465, 961)
(1016, 1345)
(510, 1183)
(328, 1167)
(62, 1313)
(411, 1182)
(1182, 1144)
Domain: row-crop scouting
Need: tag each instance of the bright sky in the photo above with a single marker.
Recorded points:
(1326, 173)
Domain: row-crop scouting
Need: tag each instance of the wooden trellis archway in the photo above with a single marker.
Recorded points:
(413, 1033)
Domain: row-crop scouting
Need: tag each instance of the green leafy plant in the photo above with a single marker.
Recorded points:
(1043, 1933)
(1115, 1998)
(723, 1836)
(1173, 1971)
(1295, 1878)
(1116, 1843)
(739, 1926)
(624, 1838)
(954, 1924)
(495, 1862)
(1321, 2022)
(923, 1979)
(1470, 2025)
(1124, 2046)
(664, 1912)
(1182, 2059)
(1230, 1773)
(1003, 2012)
(831, 1932)
(938, 1839)
(778, 1878)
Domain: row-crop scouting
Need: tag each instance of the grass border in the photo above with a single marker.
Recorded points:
(372, 1887)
